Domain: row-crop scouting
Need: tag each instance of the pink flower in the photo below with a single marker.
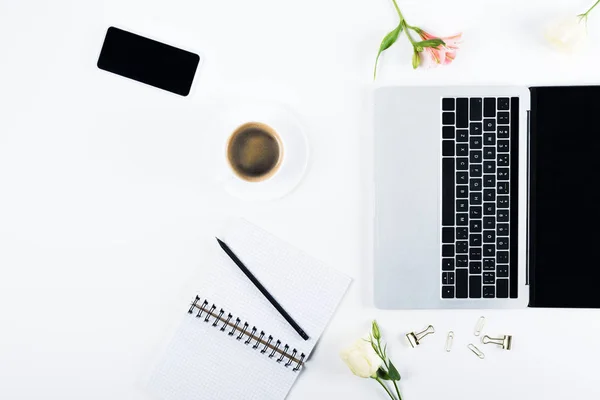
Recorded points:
(442, 54)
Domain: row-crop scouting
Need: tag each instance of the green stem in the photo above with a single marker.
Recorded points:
(584, 14)
(406, 26)
(400, 12)
(385, 387)
(397, 390)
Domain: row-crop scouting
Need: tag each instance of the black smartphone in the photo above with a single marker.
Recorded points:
(148, 61)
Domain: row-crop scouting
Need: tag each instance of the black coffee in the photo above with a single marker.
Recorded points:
(254, 151)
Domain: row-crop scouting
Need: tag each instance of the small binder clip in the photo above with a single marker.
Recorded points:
(504, 341)
(449, 341)
(479, 326)
(415, 338)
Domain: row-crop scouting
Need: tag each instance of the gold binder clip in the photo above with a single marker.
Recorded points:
(504, 341)
(415, 338)
(479, 326)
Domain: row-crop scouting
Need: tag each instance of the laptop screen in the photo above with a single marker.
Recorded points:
(565, 197)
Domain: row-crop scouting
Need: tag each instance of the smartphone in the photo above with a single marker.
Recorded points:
(148, 61)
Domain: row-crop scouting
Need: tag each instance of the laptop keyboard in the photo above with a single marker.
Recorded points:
(479, 197)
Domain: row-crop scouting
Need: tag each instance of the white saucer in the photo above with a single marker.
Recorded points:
(295, 151)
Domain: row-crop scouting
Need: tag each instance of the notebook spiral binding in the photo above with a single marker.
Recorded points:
(234, 326)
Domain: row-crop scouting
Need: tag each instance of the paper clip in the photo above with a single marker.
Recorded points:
(449, 341)
(415, 338)
(504, 341)
(476, 351)
(479, 326)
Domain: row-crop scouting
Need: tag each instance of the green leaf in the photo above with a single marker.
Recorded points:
(393, 372)
(382, 374)
(430, 43)
(386, 43)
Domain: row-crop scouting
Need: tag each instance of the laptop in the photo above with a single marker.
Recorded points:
(486, 197)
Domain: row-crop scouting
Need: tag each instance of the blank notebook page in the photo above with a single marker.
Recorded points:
(203, 362)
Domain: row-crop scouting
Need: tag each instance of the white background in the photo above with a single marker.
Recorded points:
(108, 199)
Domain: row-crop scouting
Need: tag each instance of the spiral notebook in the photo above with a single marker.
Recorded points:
(232, 343)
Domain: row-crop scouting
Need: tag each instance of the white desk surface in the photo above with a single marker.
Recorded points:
(108, 202)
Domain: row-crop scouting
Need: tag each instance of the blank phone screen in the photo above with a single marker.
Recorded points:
(148, 61)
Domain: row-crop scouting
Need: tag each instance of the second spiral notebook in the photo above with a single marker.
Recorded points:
(232, 343)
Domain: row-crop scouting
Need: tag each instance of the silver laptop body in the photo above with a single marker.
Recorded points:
(407, 196)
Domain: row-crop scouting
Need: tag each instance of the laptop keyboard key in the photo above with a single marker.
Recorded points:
(502, 271)
(447, 292)
(462, 113)
(462, 178)
(462, 247)
(476, 157)
(462, 283)
(447, 235)
(502, 188)
(489, 138)
(489, 264)
(503, 103)
(489, 125)
(489, 181)
(502, 257)
(502, 216)
(503, 146)
(448, 148)
(462, 135)
(448, 118)
(503, 160)
(462, 149)
(489, 167)
(489, 278)
(489, 250)
(503, 118)
(475, 253)
(489, 223)
(448, 188)
(503, 132)
(475, 240)
(476, 128)
(502, 288)
(462, 233)
(476, 108)
(475, 226)
(447, 264)
(462, 261)
(448, 104)
(475, 143)
(502, 243)
(448, 132)
(475, 198)
(462, 164)
(489, 195)
(476, 185)
(489, 107)
(475, 287)
(462, 191)
(476, 171)
(489, 292)
(502, 229)
(475, 267)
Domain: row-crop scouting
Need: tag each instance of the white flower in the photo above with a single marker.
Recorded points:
(361, 359)
(569, 34)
